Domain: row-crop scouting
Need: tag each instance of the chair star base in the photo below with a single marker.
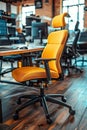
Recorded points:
(42, 99)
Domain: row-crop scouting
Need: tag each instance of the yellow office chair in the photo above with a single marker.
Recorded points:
(51, 59)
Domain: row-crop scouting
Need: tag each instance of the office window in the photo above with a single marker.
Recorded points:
(13, 9)
(76, 11)
(3, 6)
(27, 11)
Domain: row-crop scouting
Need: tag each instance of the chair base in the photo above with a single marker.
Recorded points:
(74, 68)
(42, 99)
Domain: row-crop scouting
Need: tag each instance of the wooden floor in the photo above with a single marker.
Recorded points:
(74, 88)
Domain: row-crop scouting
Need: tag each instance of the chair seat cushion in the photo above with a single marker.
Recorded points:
(29, 73)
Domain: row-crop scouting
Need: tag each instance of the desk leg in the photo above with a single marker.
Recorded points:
(1, 118)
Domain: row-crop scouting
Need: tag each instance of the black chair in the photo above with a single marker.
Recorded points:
(82, 48)
(71, 54)
(11, 60)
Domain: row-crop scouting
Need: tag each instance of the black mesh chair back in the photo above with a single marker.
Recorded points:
(74, 44)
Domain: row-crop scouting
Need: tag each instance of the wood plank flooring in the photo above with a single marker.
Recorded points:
(83, 123)
(33, 118)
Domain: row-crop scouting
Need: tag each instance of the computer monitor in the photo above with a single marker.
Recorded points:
(30, 19)
(39, 31)
(4, 40)
(3, 27)
(12, 31)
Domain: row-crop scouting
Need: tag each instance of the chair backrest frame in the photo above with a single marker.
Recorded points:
(74, 44)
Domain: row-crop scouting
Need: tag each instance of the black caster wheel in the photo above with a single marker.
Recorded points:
(49, 120)
(81, 71)
(15, 116)
(41, 104)
(72, 112)
(19, 101)
(63, 99)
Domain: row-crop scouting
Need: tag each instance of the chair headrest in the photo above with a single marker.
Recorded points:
(59, 20)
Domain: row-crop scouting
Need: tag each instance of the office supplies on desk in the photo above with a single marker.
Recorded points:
(24, 47)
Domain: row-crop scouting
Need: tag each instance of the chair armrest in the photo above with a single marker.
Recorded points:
(46, 65)
(69, 50)
(44, 59)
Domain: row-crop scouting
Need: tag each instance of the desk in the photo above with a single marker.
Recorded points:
(82, 45)
(23, 52)
(15, 52)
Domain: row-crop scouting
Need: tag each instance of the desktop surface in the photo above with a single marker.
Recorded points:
(19, 48)
(7, 48)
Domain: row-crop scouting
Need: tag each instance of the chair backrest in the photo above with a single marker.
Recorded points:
(56, 43)
(76, 37)
(76, 26)
(74, 44)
